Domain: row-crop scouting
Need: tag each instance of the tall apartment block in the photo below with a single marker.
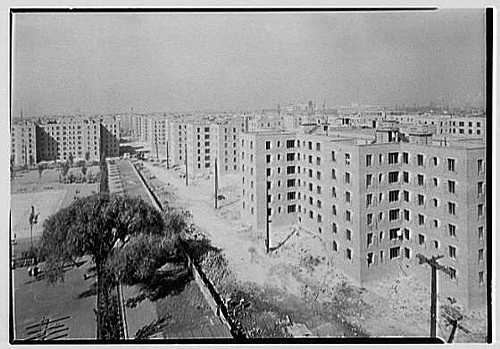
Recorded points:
(55, 139)
(23, 148)
(378, 200)
(158, 136)
(203, 142)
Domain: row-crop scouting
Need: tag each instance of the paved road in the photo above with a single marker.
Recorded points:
(34, 300)
(191, 314)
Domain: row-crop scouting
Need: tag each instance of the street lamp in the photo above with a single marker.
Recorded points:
(33, 219)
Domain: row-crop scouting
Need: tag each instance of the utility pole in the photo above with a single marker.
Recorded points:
(168, 163)
(186, 162)
(267, 216)
(435, 266)
(216, 184)
(156, 145)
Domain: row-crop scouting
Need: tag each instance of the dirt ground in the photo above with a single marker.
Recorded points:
(46, 194)
(301, 268)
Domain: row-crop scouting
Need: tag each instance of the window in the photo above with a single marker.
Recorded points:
(420, 180)
(369, 199)
(268, 172)
(348, 235)
(310, 173)
(406, 196)
(406, 215)
(434, 161)
(452, 230)
(480, 210)
(480, 186)
(480, 233)
(480, 255)
(290, 169)
(393, 215)
(421, 239)
(453, 273)
(347, 159)
(407, 234)
(318, 175)
(348, 254)
(480, 166)
(420, 199)
(394, 252)
(452, 208)
(318, 146)
(290, 195)
(452, 251)
(290, 183)
(347, 177)
(395, 234)
(369, 258)
(348, 216)
(290, 143)
(420, 160)
(310, 159)
(369, 239)
(481, 277)
(393, 177)
(334, 175)
(334, 246)
(334, 192)
(318, 203)
(347, 197)
(393, 158)
(421, 219)
(369, 178)
(405, 158)
(451, 165)
(268, 159)
(451, 187)
(318, 189)
(309, 145)
(435, 182)
(334, 210)
(318, 161)
(319, 218)
(334, 228)
(368, 160)
(333, 156)
(268, 145)
(393, 195)
(406, 177)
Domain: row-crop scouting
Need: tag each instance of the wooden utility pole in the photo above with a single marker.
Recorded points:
(267, 217)
(434, 267)
(168, 163)
(186, 162)
(216, 184)
(156, 145)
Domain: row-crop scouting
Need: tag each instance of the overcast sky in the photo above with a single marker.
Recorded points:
(112, 62)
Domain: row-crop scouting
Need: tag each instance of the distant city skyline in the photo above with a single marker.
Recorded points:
(89, 63)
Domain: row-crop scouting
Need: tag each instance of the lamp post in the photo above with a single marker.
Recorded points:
(33, 219)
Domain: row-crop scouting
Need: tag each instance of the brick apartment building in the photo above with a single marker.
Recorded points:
(377, 197)
(54, 139)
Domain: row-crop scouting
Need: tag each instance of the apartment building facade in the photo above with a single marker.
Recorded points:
(379, 202)
(59, 139)
(23, 147)
(158, 131)
(269, 178)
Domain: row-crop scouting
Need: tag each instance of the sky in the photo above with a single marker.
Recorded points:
(86, 63)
